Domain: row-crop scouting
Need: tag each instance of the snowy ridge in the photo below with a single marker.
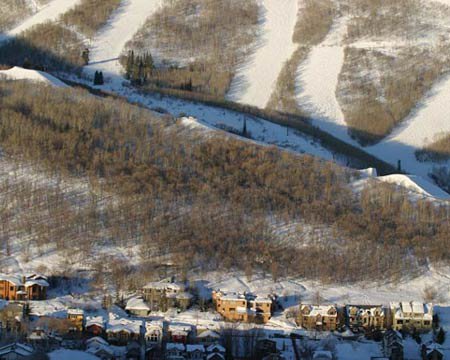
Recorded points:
(256, 80)
(18, 73)
(110, 42)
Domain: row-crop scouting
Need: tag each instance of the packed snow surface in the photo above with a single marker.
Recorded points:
(256, 79)
(318, 79)
(109, 43)
(50, 12)
(18, 73)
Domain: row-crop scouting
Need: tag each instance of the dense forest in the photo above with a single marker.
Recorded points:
(205, 203)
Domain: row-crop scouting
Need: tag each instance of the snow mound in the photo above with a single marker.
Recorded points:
(417, 185)
(370, 172)
(18, 73)
(256, 79)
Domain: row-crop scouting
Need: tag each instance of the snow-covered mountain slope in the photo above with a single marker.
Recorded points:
(18, 73)
(49, 12)
(256, 79)
(110, 42)
(318, 78)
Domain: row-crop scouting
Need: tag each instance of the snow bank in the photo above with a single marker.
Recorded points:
(109, 43)
(50, 12)
(18, 73)
(256, 80)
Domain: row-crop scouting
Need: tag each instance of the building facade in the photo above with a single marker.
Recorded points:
(318, 317)
(411, 315)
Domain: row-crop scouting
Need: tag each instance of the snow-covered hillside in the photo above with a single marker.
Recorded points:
(18, 73)
(49, 12)
(110, 42)
(256, 80)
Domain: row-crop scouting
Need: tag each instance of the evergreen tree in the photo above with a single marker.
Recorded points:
(130, 64)
(85, 56)
(96, 75)
(440, 337)
(100, 78)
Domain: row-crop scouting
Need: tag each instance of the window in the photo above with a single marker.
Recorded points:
(232, 309)
(399, 321)
(426, 322)
(11, 288)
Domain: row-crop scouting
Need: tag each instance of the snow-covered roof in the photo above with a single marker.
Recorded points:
(95, 320)
(164, 285)
(215, 348)
(192, 348)
(20, 349)
(210, 356)
(184, 295)
(208, 333)
(75, 312)
(180, 327)
(116, 324)
(137, 303)
(40, 282)
(96, 340)
(175, 346)
(13, 279)
(405, 309)
(153, 324)
(96, 348)
(322, 310)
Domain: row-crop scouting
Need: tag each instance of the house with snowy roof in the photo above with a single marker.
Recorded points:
(215, 352)
(365, 317)
(179, 333)
(318, 317)
(99, 347)
(154, 332)
(432, 351)
(242, 307)
(137, 307)
(95, 325)
(393, 345)
(18, 287)
(163, 295)
(121, 331)
(175, 351)
(195, 352)
(408, 315)
(207, 336)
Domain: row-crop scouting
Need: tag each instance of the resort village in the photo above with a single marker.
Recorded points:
(169, 320)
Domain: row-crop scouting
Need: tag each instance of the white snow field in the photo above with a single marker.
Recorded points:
(18, 73)
(110, 41)
(49, 12)
(256, 79)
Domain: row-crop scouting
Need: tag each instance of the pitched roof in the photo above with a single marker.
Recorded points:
(137, 303)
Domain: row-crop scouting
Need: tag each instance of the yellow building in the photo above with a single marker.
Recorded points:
(319, 318)
(76, 317)
(411, 315)
(367, 317)
(242, 307)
